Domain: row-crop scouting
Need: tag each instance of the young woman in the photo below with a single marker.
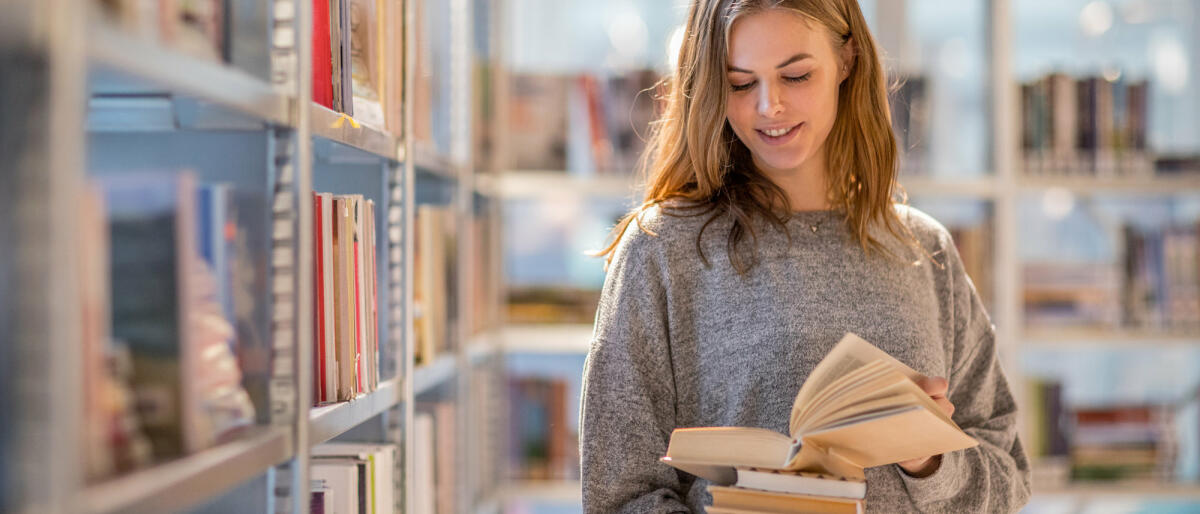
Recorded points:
(770, 230)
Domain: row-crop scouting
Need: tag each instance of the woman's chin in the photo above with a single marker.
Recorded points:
(780, 163)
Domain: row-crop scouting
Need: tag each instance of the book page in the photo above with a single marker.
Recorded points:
(885, 440)
(849, 380)
(873, 406)
(851, 353)
(887, 383)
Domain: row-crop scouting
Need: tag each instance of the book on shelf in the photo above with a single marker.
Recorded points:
(975, 246)
(584, 124)
(433, 292)
(1047, 418)
(1087, 126)
(367, 60)
(346, 313)
(322, 51)
(424, 472)
(171, 318)
(1071, 294)
(342, 482)
(480, 275)
(434, 429)
(378, 463)
(541, 446)
(1123, 442)
(321, 498)
(1154, 285)
(544, 304)
(841, 422)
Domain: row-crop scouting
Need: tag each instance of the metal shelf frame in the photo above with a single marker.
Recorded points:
(80, 64)
(170, 71)
(190, 480)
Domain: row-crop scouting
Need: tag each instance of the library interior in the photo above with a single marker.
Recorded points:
(386, 215)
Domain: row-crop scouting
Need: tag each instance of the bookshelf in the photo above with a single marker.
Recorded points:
(973, 58)
(92, 99)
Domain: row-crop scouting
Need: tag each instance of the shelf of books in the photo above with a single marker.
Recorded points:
(217, 229)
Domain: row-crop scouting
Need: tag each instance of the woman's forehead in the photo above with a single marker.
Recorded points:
(769, 38)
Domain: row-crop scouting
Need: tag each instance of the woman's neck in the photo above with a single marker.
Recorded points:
(805, 186)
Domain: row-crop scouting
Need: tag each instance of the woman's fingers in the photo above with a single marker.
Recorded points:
(945, 404)
(934, 386)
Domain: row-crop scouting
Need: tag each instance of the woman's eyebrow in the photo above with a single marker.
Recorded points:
(790, 60)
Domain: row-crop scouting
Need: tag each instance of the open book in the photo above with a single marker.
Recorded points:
(859, 408)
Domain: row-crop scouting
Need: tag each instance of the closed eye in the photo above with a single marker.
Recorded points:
(742, 87)
(801, 78)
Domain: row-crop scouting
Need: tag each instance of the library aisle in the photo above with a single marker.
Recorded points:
(251, 257)
(279, 256)
(1057, 141)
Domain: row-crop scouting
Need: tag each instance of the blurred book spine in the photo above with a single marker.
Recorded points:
(1087, 127)
(434, 293)
(541, 446)
(1154, 286)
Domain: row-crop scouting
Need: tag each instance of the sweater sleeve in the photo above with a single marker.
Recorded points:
(993, 476)
(628, 395)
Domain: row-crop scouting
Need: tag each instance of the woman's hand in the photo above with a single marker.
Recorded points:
(936, 387)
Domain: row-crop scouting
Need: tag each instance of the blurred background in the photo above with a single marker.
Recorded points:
(169, 161)
(1058, 141)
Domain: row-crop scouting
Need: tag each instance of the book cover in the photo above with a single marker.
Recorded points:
(322, 68)
(360, 343)
(319, 383)
(328, 301)
(344, 297)
(366, 61)
(152, 223)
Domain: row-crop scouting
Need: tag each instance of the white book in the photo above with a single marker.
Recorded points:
(341, 477)
(816, 484)
(328, 218)
(372, 278)
(381, 461)
(424, 486)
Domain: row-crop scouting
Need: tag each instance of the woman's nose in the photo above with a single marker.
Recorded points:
(769, 102)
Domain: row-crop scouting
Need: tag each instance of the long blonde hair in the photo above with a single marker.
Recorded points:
(693, 157)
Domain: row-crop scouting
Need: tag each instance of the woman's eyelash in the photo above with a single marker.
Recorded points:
(748, 85)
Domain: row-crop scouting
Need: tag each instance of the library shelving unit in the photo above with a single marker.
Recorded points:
(86, 98)
(980, 180)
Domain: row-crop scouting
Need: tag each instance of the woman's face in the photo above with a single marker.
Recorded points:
(784, 75)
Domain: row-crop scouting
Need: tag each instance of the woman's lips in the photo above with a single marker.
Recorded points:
(780, 139)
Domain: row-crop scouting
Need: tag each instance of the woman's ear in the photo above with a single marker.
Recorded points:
(847, 54)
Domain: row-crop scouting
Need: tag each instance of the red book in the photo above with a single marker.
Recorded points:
(319, 290)
(322, 69)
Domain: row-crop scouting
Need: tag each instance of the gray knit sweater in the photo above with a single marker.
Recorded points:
(681, 344)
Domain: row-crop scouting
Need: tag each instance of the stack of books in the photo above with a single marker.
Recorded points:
(773, 490)
(346, 303)
(843, 420)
